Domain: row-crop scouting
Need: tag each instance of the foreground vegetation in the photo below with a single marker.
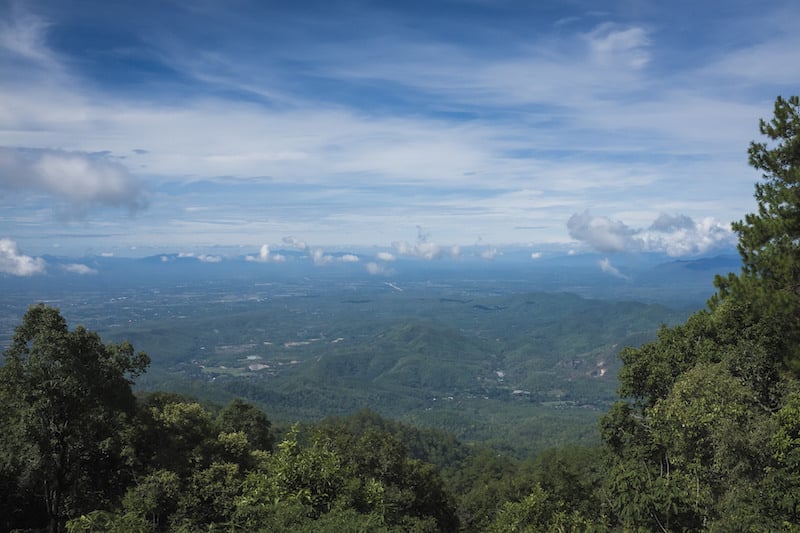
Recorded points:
(705, 436)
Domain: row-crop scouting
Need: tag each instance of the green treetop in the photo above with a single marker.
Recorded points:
(769, 240)
(66, 398)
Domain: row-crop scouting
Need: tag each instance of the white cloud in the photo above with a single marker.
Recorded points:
(666, 223)
(569, 113)
(688, 239)
(675, 235)
(77, 268)
(266, 256)
(536, 255)
(106, 254)
(320, 258)
(77, 180)
(608, 268)
(601, 233)
(490, 254)
(610, 44)
(294, 243)
(15, 263)
(349, 258)
(24, 36)
(424, 248)
(386, 257)
(377, 269)
(209, 258)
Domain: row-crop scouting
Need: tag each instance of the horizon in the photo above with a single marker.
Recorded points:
(416, 130)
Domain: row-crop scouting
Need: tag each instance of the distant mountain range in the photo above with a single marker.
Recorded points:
(646, 277)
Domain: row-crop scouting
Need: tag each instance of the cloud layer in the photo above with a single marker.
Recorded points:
(354, 124)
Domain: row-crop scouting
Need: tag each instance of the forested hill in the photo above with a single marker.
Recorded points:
(521, 372)
(705, 434)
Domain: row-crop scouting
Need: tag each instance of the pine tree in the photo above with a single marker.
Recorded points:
(769, 240)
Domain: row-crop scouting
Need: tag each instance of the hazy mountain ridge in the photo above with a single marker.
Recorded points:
(433, 342)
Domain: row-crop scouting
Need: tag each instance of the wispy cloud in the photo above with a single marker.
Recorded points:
(360, 123)
(610, 44)
(78, 268)
(608, 268)
(23, 34)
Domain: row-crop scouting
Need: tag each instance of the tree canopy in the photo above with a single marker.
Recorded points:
(66, 398)
(705, 434)
(769, 239)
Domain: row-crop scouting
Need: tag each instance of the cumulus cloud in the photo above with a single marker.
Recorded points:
(601, 233)
(666, 223)
(294, 243)
(203, 258)
(77, 180)
(490, 253)
(424, 248)
(386, 257)
(17, 264)
(536, 255)
(675, 235)
(266, 256)
(77, 268)
(320, 258)
(687, 237)
(608, 268)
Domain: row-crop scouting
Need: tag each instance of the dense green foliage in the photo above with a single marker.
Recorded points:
(705, 437)
(537, 369)
(769, 240)
(66, 399)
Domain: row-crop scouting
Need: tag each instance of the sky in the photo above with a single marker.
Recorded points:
(214, 129)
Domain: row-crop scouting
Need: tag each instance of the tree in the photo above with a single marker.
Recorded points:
(241, 416)
(703, 438)
(769, 240)
(68, 397)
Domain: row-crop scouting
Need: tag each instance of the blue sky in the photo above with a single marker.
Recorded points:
(413, 127)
